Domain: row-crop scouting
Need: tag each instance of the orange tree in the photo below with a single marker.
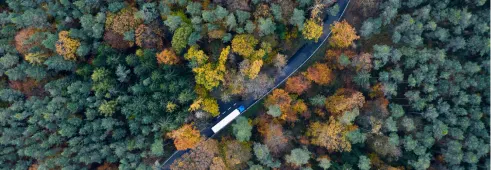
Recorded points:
(167, 56)
(343, 35)
(281, 98)
(201, 157)
(344, 100)
(320, 74)
(297, 84)
(185, 137)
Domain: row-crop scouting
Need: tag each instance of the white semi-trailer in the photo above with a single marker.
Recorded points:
(227, 119)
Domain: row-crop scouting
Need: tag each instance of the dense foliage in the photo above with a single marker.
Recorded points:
(410, 90)
(99, 84)
(105, 84)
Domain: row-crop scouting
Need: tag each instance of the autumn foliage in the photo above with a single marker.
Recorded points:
(312, 30)
(281, 98)
(320, 74)
(185, 137)
(22, 43)
(344, 100)
(297, 84)
(330, 135)
(343, 34)
(66, 46)
(207, 104)
(244, 44)
(117, 41)
(167, 56)
(275, 138)
(28, 87)
(199, 158)
(148, 36)
(123, 21)
(236, 153)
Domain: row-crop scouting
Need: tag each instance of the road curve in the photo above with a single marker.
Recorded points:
(294, 63)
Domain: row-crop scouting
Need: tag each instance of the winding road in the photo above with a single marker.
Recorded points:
(293, 64)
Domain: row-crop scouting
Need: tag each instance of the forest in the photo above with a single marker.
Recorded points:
(124, 84)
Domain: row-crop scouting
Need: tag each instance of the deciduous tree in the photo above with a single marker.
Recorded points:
(320, 74)
(312, 30)
(167, 56)
(242, 129)
(180, 38)
(281, 98)
(244, 44)
(343, 34)
(344, 100)
(275, 138)
(236, 154)
(123, 21)
(298, 157)
(185, 137)
(66, 46)
(149, 36)
(199, 158)
(330, 135)
(297, 84)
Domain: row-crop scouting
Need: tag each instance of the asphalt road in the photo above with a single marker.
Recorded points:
(293, 64)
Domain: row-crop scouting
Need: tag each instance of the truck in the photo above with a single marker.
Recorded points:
(227, 119)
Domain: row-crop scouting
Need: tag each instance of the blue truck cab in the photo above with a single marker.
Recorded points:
(241, 108)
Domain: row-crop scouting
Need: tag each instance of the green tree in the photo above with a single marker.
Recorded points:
(363, 163)
(157, 148)
(231, 21)
(107, 108)
(263, 155)
(180, 38)
(242, 16)
(266, 26)
(194, 8)
(242, 129)
(334, 10)
(324, 163)
(274, 110)
(173, 22)
(277, 13)
(298, 157)
(298, 18)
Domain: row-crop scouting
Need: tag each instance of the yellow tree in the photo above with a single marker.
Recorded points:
(210, 105)
(332, 135)
(344, 100)
(35, 58)
(207, 76)
(255, 68)
(66, 46)
(244, 44)
(312, 30)
(343, 34)
(222, 60)
(185, 137)
(194, 54)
